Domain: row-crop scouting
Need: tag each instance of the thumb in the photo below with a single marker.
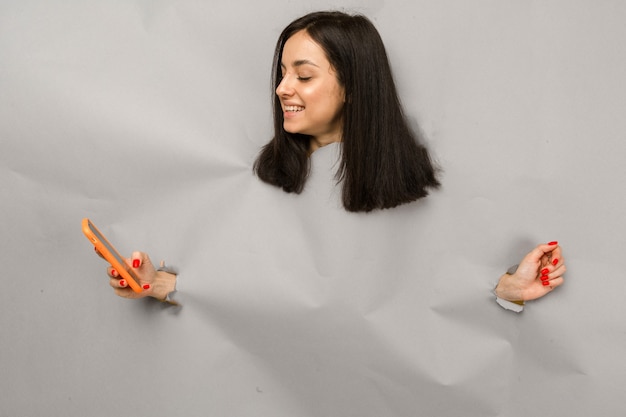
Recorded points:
(541, 250)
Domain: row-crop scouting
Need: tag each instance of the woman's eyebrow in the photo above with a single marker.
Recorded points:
(301, 62)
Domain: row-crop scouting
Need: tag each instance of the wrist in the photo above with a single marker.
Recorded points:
(506, 297)
(164, 283)
(507, 290)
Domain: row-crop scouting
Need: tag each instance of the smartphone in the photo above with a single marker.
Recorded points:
(109, 253)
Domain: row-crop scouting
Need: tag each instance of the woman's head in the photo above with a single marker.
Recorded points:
(351, 97)
(356, 56)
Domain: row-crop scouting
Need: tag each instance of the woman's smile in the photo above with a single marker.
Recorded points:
(291, 111)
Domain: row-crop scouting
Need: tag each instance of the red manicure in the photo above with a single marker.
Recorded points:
(545, 283)
(122, 283)
(544, 278)
(113, 272)
(554, 262)
(146, 286)
(135, 263)
(553, 243)
(545, 271)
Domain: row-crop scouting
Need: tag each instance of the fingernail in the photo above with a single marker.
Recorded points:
(544, 278)
(545, 283)
(554, 242)
(555, 261)
(122, 283)
(146, 286)
(544, 271)
(135, 263)
(113, 272)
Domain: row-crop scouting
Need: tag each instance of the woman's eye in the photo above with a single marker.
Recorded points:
(304, 78)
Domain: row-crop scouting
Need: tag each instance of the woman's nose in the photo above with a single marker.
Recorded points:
(284, 88)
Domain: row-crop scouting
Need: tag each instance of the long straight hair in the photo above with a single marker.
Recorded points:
(382, 164)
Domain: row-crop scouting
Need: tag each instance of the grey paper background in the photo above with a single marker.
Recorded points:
(146, 117)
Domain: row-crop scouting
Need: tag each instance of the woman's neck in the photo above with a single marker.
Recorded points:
(319, 142)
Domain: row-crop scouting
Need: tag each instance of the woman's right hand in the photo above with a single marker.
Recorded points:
(156, 284)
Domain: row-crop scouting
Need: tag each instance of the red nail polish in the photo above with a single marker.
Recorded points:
(114, 273)
(544, 278)
(146, 286)
(135, 263)
(122, 283)
(555, 261)
(553, 243)
(545, 283)
(544, 271)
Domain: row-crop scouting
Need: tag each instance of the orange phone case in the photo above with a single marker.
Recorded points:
(109, 253)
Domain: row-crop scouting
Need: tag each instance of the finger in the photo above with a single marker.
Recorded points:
(112, 272)
(556, 257)
(133, 261)
(556, 252)
(118, 283)
(558, 271)
(556, 282)
(541, 251)
(547, 287)
(554, 263)
(137, 259)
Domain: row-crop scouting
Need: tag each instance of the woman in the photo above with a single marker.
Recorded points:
(333, 84)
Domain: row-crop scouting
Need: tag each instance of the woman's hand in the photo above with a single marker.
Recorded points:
(156, 284)
(538, 273)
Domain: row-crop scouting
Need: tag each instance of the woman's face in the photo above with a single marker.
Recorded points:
(309, 92)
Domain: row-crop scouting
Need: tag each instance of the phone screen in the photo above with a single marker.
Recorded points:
(105, 242)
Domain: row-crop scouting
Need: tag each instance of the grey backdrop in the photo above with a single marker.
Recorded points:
(146, 116)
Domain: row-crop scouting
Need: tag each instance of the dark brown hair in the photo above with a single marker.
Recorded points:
(382, 163)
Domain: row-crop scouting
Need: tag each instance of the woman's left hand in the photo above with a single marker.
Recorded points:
(538, 273)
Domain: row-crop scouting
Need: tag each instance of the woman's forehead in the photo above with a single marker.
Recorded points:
(300, 49)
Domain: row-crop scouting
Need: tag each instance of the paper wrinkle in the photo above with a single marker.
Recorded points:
(325, 291)
(292, 306)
